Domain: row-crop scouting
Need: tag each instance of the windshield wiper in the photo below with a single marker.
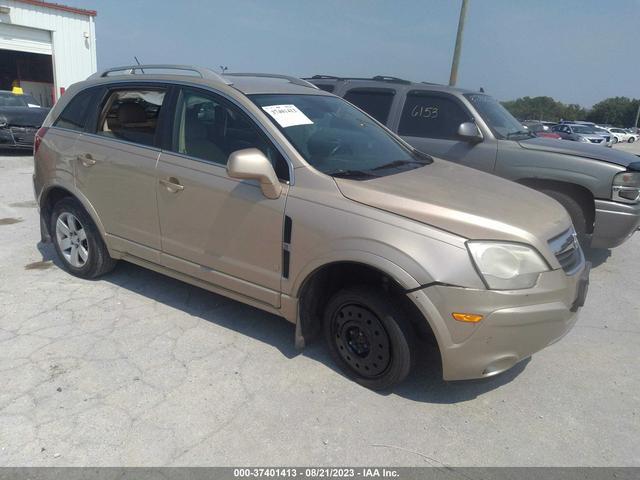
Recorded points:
(400, 163)
(351, 174)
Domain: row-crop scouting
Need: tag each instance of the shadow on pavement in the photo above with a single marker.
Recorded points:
(15, 152)
(597, 256)
(424, 384)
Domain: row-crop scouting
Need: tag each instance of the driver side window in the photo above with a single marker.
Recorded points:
(209, 128)
(431, 116)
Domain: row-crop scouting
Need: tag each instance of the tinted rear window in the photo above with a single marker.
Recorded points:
(376, 102)
(74, 116)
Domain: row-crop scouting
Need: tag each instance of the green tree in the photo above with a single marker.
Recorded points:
(544, 108)
(618, 111)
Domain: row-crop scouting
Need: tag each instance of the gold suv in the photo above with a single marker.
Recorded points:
(272, 192)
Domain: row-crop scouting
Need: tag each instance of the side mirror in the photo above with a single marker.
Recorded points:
(252, 164)
(470, 132)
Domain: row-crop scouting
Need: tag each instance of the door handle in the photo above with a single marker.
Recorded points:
(172, 184)
(87, 160)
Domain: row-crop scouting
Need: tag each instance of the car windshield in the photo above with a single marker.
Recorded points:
(14, 100)
(582, 129)
(337, 138)
(502, 123)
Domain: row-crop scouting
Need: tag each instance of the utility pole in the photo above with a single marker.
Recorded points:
(635, 124)
(456, 53)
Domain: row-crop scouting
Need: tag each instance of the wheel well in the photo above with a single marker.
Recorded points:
(51, 197)
(581, 194)
(318, 288)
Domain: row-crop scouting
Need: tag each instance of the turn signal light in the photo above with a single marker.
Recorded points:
(467, 317)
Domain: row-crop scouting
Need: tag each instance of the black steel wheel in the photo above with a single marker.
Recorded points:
(368, 336)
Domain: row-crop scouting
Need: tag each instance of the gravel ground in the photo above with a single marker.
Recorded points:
(139, 369)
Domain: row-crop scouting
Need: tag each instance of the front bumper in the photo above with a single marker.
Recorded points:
(516, 323)
(17, 137)
(614, 223)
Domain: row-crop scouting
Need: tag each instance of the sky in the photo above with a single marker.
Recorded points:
(577, 51)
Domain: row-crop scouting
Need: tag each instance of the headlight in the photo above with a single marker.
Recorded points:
(3, 122)
(507, 266)
(626, 187)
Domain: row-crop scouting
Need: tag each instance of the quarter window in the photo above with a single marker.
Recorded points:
(431, 116)
(74, 116)
(132, 115)
(209, 128)
(375, 101)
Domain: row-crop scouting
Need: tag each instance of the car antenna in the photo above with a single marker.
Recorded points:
(138, 62)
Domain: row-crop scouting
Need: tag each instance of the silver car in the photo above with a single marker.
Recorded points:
(580, 133)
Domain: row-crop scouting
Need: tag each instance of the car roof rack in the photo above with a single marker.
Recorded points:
(388, 78)
(326, 77)
(204, 73)
(294, 80)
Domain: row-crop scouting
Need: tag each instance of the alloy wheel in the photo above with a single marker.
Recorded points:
(72, 240)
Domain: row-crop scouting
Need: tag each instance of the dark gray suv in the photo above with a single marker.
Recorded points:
(599, 187)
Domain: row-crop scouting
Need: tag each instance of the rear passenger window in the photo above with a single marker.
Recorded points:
(208, 128)
(131, 115)
(75, 114)
(431, 116)
(375, 101)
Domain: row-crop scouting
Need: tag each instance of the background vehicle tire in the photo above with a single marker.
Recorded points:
(368, 336)
(78, 242)
(576, 212)
(614, 140)
(631, 139)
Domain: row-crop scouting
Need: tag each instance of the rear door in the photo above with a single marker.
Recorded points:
(429, 121)
(115, 166)
(215, 227)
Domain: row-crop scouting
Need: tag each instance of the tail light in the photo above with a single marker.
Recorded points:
(38, 139)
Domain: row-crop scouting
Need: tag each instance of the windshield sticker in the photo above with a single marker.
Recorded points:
(287, 115)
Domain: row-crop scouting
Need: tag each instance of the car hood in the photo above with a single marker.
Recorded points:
(24, 116)
(464, 201)
(580, 150)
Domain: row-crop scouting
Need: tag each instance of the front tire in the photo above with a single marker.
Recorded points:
(631, 140)
(369, 336)
(78, 242)
(575, 211)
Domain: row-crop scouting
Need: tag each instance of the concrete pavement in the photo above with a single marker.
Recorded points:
(138, 369)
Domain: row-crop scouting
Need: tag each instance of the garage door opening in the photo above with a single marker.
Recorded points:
(33, 72)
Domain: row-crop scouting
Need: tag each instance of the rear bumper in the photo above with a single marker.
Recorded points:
(614, 223)
(516, 324)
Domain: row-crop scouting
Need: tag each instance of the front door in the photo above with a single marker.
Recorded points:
(214, 227)
(429, 121)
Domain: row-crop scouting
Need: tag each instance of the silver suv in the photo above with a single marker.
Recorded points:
(599, 187)
(272, 192)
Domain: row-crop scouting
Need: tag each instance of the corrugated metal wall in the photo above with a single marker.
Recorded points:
(74, 55)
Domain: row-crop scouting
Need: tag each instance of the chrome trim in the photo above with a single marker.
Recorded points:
(615, 194)
(565, 243)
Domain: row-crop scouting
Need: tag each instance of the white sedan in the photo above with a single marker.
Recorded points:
(621, 135)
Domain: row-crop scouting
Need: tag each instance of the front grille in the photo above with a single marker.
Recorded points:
(596, 140)
(567, 250)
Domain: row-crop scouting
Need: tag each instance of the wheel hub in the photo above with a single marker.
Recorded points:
(361, 340)
(72, 240)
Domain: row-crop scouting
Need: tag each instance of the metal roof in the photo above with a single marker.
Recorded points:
(60, 7)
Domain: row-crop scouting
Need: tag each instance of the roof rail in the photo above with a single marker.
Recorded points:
(132, 69)
(387, 78)
(326, 77)
(294, 80)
